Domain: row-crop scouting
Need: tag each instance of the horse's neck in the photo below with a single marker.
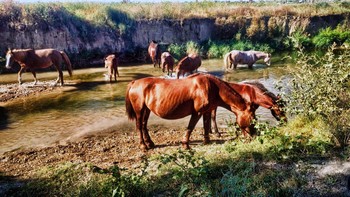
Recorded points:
(264, 99)
(230, 97)
(260, 55)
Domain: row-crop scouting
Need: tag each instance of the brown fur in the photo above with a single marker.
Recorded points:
(257, 95)
(197, 96)
(34, 59)
(188, 64)
(154, 52)
(111, 63)
(167, 61)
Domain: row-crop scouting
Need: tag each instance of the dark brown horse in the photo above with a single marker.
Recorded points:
(167, 61)
(111, 63)
(188, 64)
(257, 95)
(154, 52)
(34, 59)
(197, 96)
(236, 57)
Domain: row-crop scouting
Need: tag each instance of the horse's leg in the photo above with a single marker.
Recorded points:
(115, 75)
(146, 137)
(139, 126)
(207, 127)
(234, 65)
(186, 138)
(250, 66)
(244, 121)
(213, 121)
(60, 74)
(35, 79)
(20, 75)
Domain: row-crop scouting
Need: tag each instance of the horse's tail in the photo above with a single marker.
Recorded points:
(129, 109)
(226, 61)
(69, 64)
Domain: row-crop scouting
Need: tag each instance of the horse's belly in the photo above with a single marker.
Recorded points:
(171, 112)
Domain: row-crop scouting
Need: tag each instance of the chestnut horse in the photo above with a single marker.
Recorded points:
(154, 52)
(167, 60)
(257, 95)
(236, 57)
(34, 59)
(197, 96)
(188, 64)
(111, 63)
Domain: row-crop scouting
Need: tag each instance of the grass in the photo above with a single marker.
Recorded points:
(266, 166)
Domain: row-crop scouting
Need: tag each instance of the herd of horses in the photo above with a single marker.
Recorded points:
(197, 95)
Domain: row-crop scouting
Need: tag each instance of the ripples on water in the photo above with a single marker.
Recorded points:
(92, 104)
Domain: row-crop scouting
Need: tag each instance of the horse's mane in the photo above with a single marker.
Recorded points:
(262, 88)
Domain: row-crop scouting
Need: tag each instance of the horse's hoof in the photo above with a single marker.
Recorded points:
(150, 145)
(185, 145)
(143, 147)
(206, 140)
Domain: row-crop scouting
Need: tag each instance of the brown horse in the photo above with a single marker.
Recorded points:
(236, 57)
(154, 52)
(34, 59)
(167, 60)
(111, 63)
(188, 64)
(257, 95)
(197, 96)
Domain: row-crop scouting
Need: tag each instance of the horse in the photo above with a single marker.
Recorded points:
(245, 57)
(154, 52)
(34, 59)
(188, 64)
(257, 95)
(197, 96)
(111, 63)
(167, 60)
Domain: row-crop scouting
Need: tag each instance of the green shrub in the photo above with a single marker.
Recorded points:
(326, 37)
(319, 87)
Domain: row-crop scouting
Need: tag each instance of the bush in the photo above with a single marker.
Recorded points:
(319, 87)
(326, 37)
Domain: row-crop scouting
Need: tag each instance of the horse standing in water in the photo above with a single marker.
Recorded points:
(154, 52)
(236, 57)
(188, 64)
(167, 61)
(34, 59)
(111, 63)
(256, 94)
(197, 95)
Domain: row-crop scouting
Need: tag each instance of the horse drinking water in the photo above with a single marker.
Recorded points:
(236, 57)
(196, 95)
(111, 63)
(34, 59)
(154, 52)
(188, 64)
(257, 95)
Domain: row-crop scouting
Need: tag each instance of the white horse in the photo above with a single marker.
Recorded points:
(245, 57)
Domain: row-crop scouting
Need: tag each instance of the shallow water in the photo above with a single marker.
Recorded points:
(89, 104)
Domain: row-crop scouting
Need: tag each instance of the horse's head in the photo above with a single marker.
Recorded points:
(267, 59)
(277, 110)
(9, 58)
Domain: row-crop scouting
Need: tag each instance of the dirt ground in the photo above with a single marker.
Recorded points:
(101, 149)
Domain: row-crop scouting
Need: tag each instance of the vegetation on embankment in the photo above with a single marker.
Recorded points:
(87, 31)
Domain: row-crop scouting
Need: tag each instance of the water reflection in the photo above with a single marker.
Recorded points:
(88, 104)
